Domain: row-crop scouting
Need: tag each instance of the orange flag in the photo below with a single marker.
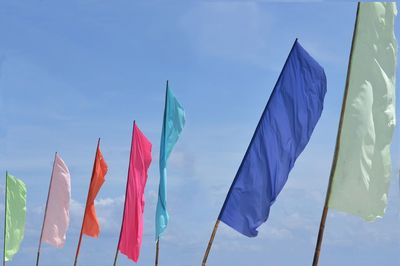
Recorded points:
(91, 226)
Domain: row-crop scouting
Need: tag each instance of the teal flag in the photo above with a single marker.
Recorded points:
(15, 215)
(174, 120)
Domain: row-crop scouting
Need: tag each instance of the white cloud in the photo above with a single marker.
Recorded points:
(109, 213)
(76, 208)
(109, 202)
(108, 210)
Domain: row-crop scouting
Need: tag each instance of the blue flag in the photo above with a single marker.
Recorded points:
(281, 135)
(174, 120)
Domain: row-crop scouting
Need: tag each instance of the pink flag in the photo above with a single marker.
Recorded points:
(56, 219)
(132, 224)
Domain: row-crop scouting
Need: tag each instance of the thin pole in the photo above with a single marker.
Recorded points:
(126, 194)
(45, 210)
(163, 141)
(116, 255)
(210, 243)
(5, 222)
(87, 199)
(337, 148)
(157, 250)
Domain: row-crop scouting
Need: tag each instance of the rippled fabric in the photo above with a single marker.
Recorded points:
(15, 216)
(282, 133)
(174, 121)
(132, 224)
(57, 214)
(362, 175)
(91, 225)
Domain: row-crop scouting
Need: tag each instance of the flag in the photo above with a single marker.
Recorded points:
(91, 225)
(56, 221)
(282, 133)
(174, 121)
(362, 174)
(132, 222)
(15, 216)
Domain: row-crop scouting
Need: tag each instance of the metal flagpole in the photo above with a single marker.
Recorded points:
(87, 198)
(126, 193)
(45, 210)
(335, 157)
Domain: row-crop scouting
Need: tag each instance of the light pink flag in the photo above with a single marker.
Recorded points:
(56, 219)
(132, 224)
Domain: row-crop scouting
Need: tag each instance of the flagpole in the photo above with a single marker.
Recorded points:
(45, 210)
(87, 198)
(126, 194)
(336, 154)
(5, 222)
(164, 119)
(210, 243)
(157, 250)
(116, 254)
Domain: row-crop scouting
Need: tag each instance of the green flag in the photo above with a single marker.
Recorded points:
(362, 174)
(15, 215)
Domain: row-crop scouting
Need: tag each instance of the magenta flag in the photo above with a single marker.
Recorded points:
(130, 238)
(56, 219)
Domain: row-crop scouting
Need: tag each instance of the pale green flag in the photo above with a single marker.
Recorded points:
(15, 215)
(361, 178)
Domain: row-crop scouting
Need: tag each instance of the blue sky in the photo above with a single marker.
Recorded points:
(73, 71)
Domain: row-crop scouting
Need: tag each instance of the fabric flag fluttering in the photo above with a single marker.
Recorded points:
(56, 213)
(282, 133)
(91, 226)
(362, 174)
(130, 239)
(173, 123)
(90, 223)
(361, 167)
(56, 217)
(15, 215)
